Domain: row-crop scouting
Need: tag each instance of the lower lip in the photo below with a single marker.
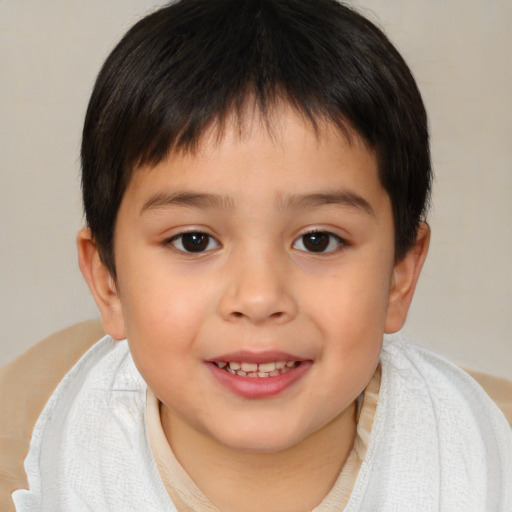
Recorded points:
(259, 387)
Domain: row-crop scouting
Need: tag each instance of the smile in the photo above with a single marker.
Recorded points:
(263, 376)
(261, 370)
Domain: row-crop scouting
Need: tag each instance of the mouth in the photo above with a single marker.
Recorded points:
(257, 370)
(255, 376)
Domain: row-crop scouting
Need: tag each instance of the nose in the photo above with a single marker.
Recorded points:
(258, 290)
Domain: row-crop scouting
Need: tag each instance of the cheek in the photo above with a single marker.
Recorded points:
(354, 303)
(164, 313)
(161, 295)
(351, 317)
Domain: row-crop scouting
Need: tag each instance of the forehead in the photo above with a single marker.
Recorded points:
(280, 152)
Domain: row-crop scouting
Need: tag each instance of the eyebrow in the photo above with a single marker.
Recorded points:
(193, 199)
(296, 201)
(342, 197)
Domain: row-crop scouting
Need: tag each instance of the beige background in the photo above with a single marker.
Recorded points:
(461, 54)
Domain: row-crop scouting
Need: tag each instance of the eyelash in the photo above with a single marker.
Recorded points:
(204, 242)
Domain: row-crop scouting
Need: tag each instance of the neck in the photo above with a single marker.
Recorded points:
(295, 479)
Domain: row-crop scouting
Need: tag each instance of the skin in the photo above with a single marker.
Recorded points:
(258, 287)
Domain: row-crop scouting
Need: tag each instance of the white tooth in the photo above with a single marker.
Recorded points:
(249, 367)
(280, 364)
(263, 374)
(221, 364)
(241, 373)
(275, 373)
(252, 374)
(231, 371)
(290, 364)
(266, 367)
(234, 365)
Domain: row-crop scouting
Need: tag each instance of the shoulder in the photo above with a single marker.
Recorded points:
(91, 431)
(437, 424)
(26, 384)
(435, 376)
(437, 440)
(498, 389)
(449, 390)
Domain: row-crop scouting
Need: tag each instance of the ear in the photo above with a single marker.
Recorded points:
(102, 285)
(406, 273)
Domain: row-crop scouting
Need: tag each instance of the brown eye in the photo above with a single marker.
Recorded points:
(318, 241)
(315, 242)
(194, 242)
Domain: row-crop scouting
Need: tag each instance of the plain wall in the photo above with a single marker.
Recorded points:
(461, 54)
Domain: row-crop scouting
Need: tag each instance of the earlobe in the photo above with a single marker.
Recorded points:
(101, 284)
(405, 277)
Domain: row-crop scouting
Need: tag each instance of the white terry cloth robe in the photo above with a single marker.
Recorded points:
(438, 443)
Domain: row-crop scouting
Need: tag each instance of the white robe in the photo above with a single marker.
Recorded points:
(438, 443)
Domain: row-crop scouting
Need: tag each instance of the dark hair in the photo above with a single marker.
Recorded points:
(196, 61)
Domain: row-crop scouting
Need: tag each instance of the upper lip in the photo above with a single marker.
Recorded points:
(256, 357)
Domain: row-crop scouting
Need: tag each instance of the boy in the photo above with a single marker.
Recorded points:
(256, 175)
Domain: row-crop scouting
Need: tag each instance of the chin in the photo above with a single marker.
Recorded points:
(259, 439)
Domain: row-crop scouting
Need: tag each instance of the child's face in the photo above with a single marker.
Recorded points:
(257, 249)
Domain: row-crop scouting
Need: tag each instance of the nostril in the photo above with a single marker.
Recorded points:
(237, 314)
